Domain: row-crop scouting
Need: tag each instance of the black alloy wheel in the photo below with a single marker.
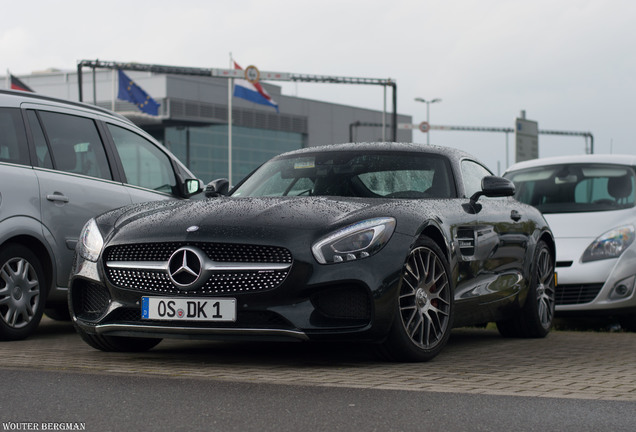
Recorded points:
(537, 315)
(424, 315)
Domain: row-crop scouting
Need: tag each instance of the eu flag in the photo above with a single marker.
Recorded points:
(131, 92)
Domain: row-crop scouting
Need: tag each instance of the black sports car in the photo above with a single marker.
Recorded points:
(387, 243)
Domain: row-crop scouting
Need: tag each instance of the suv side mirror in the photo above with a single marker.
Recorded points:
(493, 186)
(218, 187)
(193, 186)
(188, 187)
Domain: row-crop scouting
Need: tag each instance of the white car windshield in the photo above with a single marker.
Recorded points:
(568, 188)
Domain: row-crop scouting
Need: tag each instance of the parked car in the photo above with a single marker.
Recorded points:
(588, 201)
(387, 243)
(62, 163)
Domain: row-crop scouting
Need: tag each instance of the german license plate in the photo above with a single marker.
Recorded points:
(188, 309)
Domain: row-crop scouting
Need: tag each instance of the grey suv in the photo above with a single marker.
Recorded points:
(62, 163)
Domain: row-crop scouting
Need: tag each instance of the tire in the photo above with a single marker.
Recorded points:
(22, 292)
(537, 314)
(424, 306)
(118, 343)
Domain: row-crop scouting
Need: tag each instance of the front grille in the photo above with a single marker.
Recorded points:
(576, 294)
(221, 252)
(219, 282)
(346, 302)
(91, 300)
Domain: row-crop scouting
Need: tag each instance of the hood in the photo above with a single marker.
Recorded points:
(235, 218)
(590, 224)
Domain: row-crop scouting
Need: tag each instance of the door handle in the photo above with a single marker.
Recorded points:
(515, 215)
(57, 197)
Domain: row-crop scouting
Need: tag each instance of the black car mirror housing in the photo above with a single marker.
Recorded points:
(218, 187)
(494, 187)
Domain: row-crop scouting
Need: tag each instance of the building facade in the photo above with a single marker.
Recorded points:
(193, 118)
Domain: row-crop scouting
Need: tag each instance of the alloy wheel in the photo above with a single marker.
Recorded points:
(424, 302)
(545, 288)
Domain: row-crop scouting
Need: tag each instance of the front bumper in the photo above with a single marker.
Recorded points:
(600, 287)
(345, 301)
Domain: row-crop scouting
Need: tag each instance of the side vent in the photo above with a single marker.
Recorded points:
(466, 240)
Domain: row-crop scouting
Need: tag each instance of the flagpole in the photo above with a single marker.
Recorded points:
(229, 124)
(113, 90)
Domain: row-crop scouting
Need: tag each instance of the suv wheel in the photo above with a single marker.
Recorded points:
(22, 292)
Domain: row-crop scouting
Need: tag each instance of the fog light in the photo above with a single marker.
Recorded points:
(623, 289)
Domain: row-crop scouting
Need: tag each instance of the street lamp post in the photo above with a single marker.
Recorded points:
(427, 102)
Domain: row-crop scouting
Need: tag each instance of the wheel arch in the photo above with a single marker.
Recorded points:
(40, 250)
(549, 241)
(433, 232)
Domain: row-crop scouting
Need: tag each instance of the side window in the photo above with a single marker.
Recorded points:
(13, 144)
(41, 148)
(75, 144)
(144, 164)
(472, 173)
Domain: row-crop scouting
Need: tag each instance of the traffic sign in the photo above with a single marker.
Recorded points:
(252, 74)
(424, 127)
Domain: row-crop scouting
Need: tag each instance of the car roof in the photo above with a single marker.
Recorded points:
(450, 152)
(613, 159)
(16, 97)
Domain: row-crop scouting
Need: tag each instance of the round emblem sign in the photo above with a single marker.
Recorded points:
(252, 74)
(424, 127)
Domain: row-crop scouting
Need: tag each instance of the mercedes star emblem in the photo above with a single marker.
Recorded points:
(184, 267)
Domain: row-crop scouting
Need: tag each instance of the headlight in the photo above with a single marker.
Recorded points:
(91, 241)
(610, 245)
(356, 241)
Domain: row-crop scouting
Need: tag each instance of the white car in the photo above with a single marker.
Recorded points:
(588, 201)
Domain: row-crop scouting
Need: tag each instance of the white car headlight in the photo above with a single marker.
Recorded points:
(356, 241)
(610, 245)
(91, 241)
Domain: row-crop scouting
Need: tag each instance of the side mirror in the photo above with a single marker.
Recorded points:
(193, 186)
(188, 187)
(218, 187)
(493, 186)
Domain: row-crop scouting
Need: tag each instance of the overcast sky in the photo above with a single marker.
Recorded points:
(571, 65)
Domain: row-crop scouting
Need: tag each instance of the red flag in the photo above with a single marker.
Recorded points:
(16, 84)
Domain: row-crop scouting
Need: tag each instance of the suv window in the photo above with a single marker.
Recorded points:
(73, 142)
(144, 164)
(13, 147)
(41, 148)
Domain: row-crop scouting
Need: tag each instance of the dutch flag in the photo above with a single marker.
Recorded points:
(253, 92)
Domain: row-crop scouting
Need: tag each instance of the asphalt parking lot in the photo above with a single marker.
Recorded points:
(566, 364)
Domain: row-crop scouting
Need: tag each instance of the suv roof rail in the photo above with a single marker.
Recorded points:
(64, 101)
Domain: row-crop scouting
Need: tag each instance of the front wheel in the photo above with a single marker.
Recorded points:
(535, 319)
(424, 306)
(22, 292)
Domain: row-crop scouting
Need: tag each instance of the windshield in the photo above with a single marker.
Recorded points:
(351, 174)
(570, 188)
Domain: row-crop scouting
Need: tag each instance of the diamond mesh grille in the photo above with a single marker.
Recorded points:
(221, 252)
(220, 282)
